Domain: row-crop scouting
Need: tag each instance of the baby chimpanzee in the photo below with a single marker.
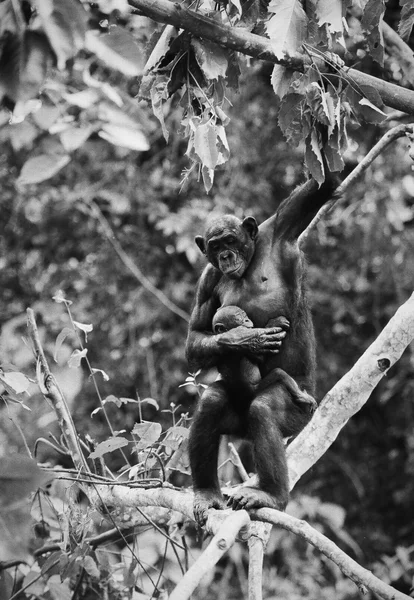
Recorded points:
(243, 372)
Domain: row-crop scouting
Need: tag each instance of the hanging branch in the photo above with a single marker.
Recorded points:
(241, 40)
(391, 135)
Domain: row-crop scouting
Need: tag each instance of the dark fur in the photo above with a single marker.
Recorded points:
(269, 281)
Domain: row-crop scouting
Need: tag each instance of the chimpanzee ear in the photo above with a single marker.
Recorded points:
(199, 240)
(250, 225)
(219, 328)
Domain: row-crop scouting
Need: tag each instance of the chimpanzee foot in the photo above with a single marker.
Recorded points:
(307, 401)
(203, 501)
(249, 497)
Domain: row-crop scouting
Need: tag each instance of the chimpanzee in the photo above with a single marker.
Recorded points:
(243, 372)
(262, 271)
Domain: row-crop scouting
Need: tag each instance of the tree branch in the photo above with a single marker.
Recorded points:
(391, 135)
(349, 567)
(350, 394)
(240, 40)
(221, 542)
(50, 389)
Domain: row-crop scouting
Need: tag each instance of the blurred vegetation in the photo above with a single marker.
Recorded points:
(361, 266)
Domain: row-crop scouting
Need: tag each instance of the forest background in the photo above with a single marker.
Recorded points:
(59, 219)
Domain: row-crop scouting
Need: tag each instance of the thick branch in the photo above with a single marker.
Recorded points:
(391, 135)
(221, 542)
(350, 393)
(349, 567)
(237, 38)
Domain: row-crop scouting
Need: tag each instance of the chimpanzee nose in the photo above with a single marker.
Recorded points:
(226, 254)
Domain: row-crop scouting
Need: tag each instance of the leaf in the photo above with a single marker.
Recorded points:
(208, 178)
(313, 158)
(65, 23)
(371, 19)
(118, 49)
(406, 19)
(211, 58)
(22, 135)
(85, 327)
(148, 433)
(60, 298)
(281, 80)
(287, 28)
(46, 116)
(373, 114)
(110, 445)
(124, 136)
(76, 358)
(161, 48)
(103, 373)
(74, 137)
(17, 381)
(37, 59)
(60, 339)
(19, 476)
(330, 12)
(332, 151)
(90, 567)
(205, 145)
(59, 590)
(36, 588)
(150, 401)
(159, 94)
(42, 167)
(174, 436)
(317, 102)
(290, 117)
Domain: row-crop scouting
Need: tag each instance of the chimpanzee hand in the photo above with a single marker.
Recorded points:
(253, 340)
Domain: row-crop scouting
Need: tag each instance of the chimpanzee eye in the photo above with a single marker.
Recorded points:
(230, 239)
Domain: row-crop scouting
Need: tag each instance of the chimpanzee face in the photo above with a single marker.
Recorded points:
(228, 317)
(229, 244)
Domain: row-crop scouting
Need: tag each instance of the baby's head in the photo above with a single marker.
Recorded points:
(228, 317)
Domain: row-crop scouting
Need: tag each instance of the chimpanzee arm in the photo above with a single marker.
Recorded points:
(297, 211)
(204, 348)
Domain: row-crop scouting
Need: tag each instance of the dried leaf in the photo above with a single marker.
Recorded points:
(60, 339)
(313, 158)
(76, 358)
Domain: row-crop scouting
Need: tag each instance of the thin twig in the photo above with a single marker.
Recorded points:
(129, 263)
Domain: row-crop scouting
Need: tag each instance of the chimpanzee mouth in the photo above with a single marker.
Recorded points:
(231, 269)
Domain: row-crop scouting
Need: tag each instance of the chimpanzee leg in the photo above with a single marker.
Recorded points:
(213, 418)
(269, 457)
(294, 407)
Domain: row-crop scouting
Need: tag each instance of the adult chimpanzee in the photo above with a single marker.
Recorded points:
(262, 271)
